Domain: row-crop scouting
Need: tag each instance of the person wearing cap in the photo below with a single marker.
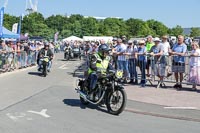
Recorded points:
(132, 62)
(124, 40)
(178, 63)
(166, 49)
(149, 44)
(158, 60)
(114, 42)
(142, 61)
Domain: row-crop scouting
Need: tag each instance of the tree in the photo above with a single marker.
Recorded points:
(138, 28)
(9, 21)
(34, 24)
(159, 28)
(195, 32)
(89, 27)
(56, 22)
(178, 30)
(112, 27)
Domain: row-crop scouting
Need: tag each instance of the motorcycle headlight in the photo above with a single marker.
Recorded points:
(46, 59)
(119, 74)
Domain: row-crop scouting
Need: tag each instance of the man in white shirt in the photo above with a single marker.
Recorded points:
(122, 61)
(166, 49)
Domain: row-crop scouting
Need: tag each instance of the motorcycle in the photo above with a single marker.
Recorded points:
(76, 53)
(45, 61)
(108, 91)
(67, 53)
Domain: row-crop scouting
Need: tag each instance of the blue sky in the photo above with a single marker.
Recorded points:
(171, 12)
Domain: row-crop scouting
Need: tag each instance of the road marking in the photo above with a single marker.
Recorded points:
(192, 108)
(15, 117)
(29, 119)
(42, 113)
(63, 67)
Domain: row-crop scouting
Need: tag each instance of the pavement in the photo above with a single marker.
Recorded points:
(168, 97)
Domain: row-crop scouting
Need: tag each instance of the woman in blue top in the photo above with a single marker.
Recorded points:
(142, 61)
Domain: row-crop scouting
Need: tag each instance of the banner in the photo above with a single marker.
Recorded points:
(1, 21)
(19, 26)
(56, 37)
(15, 27)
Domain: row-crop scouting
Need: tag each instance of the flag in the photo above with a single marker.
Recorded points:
(19, 25)
(15, 27)
(56, 36)
(1, 21)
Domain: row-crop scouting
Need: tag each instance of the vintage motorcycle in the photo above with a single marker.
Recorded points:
(67, 53)
(108, 91)
(45, 62)
(76, 53)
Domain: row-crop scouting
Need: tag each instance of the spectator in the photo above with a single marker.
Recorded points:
(166, 49)
(3, 52)
(178, 63)
(159, 63)
(114, 45)
(124, 39)
(132, 62)
(194, 76)
(149, 44)
(10, 52)
(122, 62)
(142, 61)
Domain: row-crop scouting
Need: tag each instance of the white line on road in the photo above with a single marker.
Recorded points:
(192, 108)
(16, 116)
(63, 67)
(42, 113)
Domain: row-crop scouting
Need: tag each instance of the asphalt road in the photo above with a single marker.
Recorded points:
(30, 103)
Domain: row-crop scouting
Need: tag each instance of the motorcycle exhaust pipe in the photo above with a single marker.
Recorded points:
(85, 97)
(82, 94)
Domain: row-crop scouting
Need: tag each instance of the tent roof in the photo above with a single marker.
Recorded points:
(9, 34)
(72, 38)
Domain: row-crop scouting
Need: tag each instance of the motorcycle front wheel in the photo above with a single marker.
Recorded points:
(116, 101)
(44, 69)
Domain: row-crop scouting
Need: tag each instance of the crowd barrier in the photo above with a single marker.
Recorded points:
(17, 60)
(165, 70)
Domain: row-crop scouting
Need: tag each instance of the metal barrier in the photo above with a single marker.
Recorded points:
(17, 60)
(164, 72)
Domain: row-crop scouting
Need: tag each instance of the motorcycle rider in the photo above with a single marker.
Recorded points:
(68, 47)
(46, 51)
(98, 65)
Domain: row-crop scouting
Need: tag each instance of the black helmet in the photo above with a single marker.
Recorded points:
(46, 44)
(135, 42)
(103, 48)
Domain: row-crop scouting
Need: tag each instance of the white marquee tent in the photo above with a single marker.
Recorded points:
(72, 38)
(98, 38)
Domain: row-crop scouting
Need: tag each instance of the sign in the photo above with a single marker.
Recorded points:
(1, 21)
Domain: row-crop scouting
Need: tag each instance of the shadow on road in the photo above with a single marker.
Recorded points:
(77, 103)
(35, 73)
(68, 60)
